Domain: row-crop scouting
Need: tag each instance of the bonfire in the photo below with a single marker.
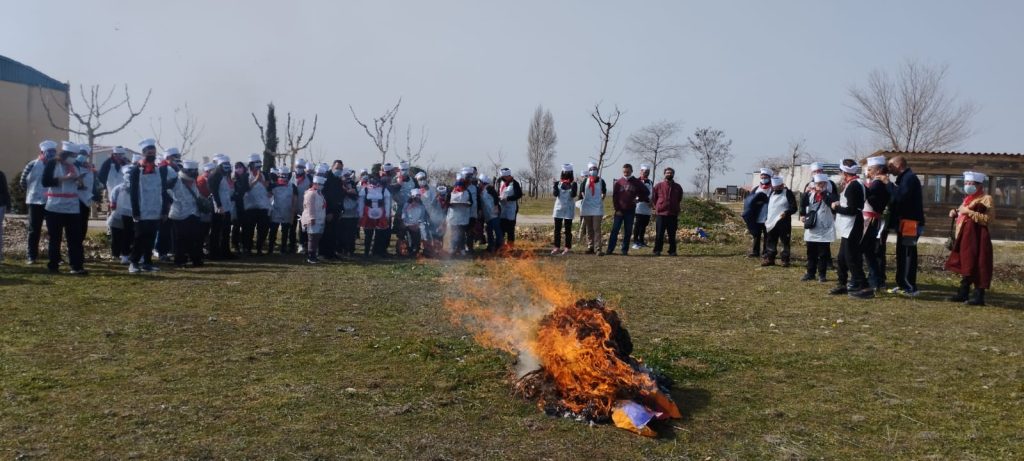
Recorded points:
(574, 357)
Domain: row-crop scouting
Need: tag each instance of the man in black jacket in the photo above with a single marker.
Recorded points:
(850, 229)
(779, 225)
(875, 201)
(908, 216)
(333, 194)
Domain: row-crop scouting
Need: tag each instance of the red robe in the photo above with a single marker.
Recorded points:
(971, 256)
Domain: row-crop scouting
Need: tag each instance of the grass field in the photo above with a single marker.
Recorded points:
(276, 359)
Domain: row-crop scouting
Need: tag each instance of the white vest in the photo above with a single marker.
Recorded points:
(36, 193)
(592, 203)
(88, 178)
(64, 197)
(845, 223)
(564, 208)
(184, 204)
(151, 192)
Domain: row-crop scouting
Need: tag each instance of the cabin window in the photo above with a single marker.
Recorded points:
(1007, 191)
(935, 188)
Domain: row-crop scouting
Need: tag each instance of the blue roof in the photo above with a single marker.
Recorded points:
(16, 72)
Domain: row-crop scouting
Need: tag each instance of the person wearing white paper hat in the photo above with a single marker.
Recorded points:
(375, 216)
(509, 193)
(592, 193)
(62, 180)
(565, 190)
(810, 190)
(256, 208)
(119, 219)
(400, 187)
(302, 180)
(490, 213)
(778, 225)
(206, 215)
(850, 230)
(872, 246)
(222, 190)
(348, 225)
(643, 210)
(149, 206)
(110, 173)
(314, 212)
(89, 190)
(414, 219)
(184, 214)
(819, 227)
(460, 206)
(169, 167)
(35, 196)
(971, 255)
(283, 205)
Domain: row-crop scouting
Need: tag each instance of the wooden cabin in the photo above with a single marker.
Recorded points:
(942, 180)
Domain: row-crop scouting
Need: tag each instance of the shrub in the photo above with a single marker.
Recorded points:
(698, 212)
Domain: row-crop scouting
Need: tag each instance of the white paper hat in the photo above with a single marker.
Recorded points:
(84, 148)
(209, 166)
(47, 145)
(776, 180)
(466, 170)
(816, 166)
(566, 167)
(414, 193)
(387, 167)
(974, 176)
(148, 142)
(404, 166)
(118, 150)
(319, 179)
(172, 152)
(190, 165)
(506, 172)
(876, 161)
(68, 146)
(591, 165)
(485, 179)
(284, 170)
(300, 163)
(253, 158)
(644, 166)
(321, 169)
(767, 171)
(459, 176)
(421, 175)
(820, 178)
(441, 189)
(855, 169)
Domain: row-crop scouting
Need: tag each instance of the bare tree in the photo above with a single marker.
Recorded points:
(540, 148)
(187, 126)
(413, 154)
(96, 106)
(526, 176)
(655, 144)
(497, 161)
(382, 128)
(268, 135)
(294, 133)
(795, 155)
(699, 181)
(605, 124)
(912, 111)
(713, 151)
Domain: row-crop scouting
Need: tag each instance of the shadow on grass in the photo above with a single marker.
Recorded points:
(940, 293)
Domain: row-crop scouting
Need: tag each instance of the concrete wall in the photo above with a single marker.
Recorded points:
(23, 124)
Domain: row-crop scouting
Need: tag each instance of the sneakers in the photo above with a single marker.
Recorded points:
(866, 293)
(555, 251)
(839, 290)
(635, 246)
(125, 260)
(821, 278)
(565, 251)
(806, 278)
(150, 268)
(312, 260)
(133, 268)
(910, 294)
(30, 261)
(301, 250)
(79, 272)
(895, 290)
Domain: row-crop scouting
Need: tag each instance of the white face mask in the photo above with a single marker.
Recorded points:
(970, 189)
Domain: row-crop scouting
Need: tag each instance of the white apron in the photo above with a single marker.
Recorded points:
(777, 204)
(845, 223)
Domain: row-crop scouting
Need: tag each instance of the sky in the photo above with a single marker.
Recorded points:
(472, 72)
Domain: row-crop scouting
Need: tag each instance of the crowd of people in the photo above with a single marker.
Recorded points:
(861, 212)
(182, 212)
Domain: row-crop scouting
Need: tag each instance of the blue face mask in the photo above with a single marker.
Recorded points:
(766, 180)
(970, 189)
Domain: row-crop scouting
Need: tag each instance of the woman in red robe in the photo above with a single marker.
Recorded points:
(971, 256)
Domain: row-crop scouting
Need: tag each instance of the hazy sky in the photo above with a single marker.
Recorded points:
(472, 72)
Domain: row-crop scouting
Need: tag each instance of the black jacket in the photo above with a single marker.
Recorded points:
(334, 195)
(908, 198)
(5, 195)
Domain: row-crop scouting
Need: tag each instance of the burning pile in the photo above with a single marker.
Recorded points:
(574, 354)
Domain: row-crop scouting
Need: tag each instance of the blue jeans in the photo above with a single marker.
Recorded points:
(495, 238)
(627, 218)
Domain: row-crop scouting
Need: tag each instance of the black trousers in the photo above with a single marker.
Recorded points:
(640, 228)
(296, 234)
(220, 235)
(165, 238)
(349, 229)
(563, 226)
(68, 225)
(850, 264)
(375, 241)
(36, 214)
(817, 258)
(508, 230)
(664, 224)
(869, 248)
(83, 216)
(329, 240)
(145, 238)
(414, 240)
(760, 241)
(906, 263)
(256, 222)
(287, 233)
(783, 231)
(121, 239)
(188, 242)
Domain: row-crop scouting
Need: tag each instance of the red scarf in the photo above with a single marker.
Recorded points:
(591, 181)
(147, 167)
(967, 200)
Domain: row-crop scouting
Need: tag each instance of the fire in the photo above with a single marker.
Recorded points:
(574, 356)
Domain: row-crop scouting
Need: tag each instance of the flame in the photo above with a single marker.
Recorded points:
(527, 308)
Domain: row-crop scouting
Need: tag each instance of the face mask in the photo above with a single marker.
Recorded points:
(225, 168)
(766, 181)
(50, 154)
(593, 173)
(300, 171)
(336, 173)
(151, 158)
(970, 189)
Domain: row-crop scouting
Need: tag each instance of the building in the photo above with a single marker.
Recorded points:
(23, 120)
(941, 176)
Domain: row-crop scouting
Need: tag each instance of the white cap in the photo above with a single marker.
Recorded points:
(974, 176)
(253, 158)
(222, 158)
(209, 166)
(322, 169)
(301, 162)
(485, 179)
(363, 171)
(466, 170)
(345, 172)
(441, 189)
(190, 165)
(816, 166)
(414, 193)
(148, 142)
(776, 180)
(421, 175)
(591, 165)
(47, 145)
(84, 148)
(118, 150)
(850, 169)
(171, 152)
(274, 170)
(284, 170)
(404, 166)
(387, 167)
(566, 167)
(876, 161)
(319, 179)
(68, 146)
(459, 176)
(767, 171)
(506, 172)
(645, 167)
(820, 178)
